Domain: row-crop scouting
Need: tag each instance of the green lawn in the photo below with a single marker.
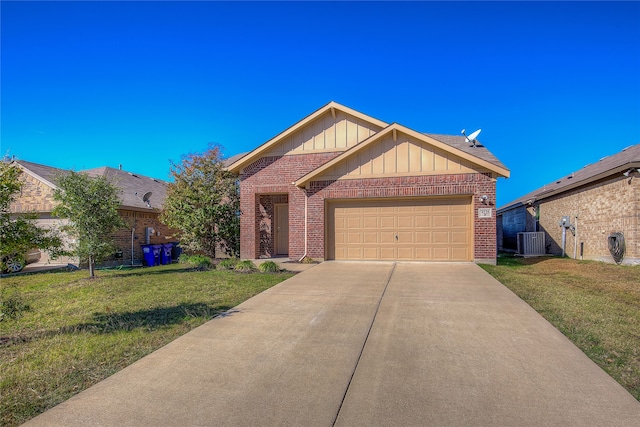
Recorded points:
(78, 331)
(596, 305)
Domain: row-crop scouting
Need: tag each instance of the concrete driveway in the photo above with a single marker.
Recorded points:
(363, 344)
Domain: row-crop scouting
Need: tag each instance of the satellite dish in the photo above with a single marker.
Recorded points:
(471, 138)
(145, 198)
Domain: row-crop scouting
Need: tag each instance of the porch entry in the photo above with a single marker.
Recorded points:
(273, 217)
(282, 229)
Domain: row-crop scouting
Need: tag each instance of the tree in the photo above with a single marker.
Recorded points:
(203, 203)
(18, 232)
(91, 205)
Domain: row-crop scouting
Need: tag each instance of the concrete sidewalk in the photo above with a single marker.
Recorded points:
(363, 344)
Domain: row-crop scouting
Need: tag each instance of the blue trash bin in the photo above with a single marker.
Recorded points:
(147, 252)
(156, 254)
(165, 254)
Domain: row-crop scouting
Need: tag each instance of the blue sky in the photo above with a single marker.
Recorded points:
(554, 86)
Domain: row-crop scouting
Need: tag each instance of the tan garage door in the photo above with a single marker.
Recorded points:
(426, 229)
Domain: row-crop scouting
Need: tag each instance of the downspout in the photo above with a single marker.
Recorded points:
(305, 226)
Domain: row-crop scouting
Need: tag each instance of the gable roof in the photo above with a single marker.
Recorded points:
(477, 155)
(332, 106)
(129, 183)
(46, 174)
(607, 166)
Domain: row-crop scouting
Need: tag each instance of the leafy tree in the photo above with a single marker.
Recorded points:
(91, 205)
(203, 203)
(18, 232)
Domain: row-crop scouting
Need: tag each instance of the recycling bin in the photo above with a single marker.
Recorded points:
(157, 249)
(165, 254)
(147, 252)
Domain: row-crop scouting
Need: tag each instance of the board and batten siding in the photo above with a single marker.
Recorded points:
(326, 134)
(404, 156)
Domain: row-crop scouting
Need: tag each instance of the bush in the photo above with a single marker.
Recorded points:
(307, 260)
(227, 264)
(269, 267)
(245, 266)
(200, 261)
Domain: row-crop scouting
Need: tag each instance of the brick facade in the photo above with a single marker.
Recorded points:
(139, 221)
(601, 208)
(275, 176)
(36, 196)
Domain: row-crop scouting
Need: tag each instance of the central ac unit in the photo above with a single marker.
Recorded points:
(531, 243)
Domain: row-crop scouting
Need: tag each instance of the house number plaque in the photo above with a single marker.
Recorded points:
(484, 212)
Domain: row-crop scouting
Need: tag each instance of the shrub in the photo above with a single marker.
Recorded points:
(227, 264)
(201, 262)
(245, 266)
(307, 260)
(269, 267)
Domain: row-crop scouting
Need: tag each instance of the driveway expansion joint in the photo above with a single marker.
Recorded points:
(364, 344)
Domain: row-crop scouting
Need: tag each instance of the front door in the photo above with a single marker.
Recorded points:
(282, 229)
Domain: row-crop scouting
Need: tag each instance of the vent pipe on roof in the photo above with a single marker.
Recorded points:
(119, 167)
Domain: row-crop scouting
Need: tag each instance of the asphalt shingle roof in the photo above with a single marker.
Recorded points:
(628, 156)
(47, 172)
(128, 182)
(460, 142)
(131, 183)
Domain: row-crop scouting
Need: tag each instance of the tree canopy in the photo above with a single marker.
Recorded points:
(18, 232)
(203, 203)
(91, 205)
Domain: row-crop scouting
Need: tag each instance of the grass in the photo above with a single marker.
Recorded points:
(78, 331)
(596, 305)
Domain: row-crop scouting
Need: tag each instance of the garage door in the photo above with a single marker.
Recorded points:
(426, 229)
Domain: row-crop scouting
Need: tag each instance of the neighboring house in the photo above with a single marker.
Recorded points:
(343, 185)
(36, 195)
(598, 200)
